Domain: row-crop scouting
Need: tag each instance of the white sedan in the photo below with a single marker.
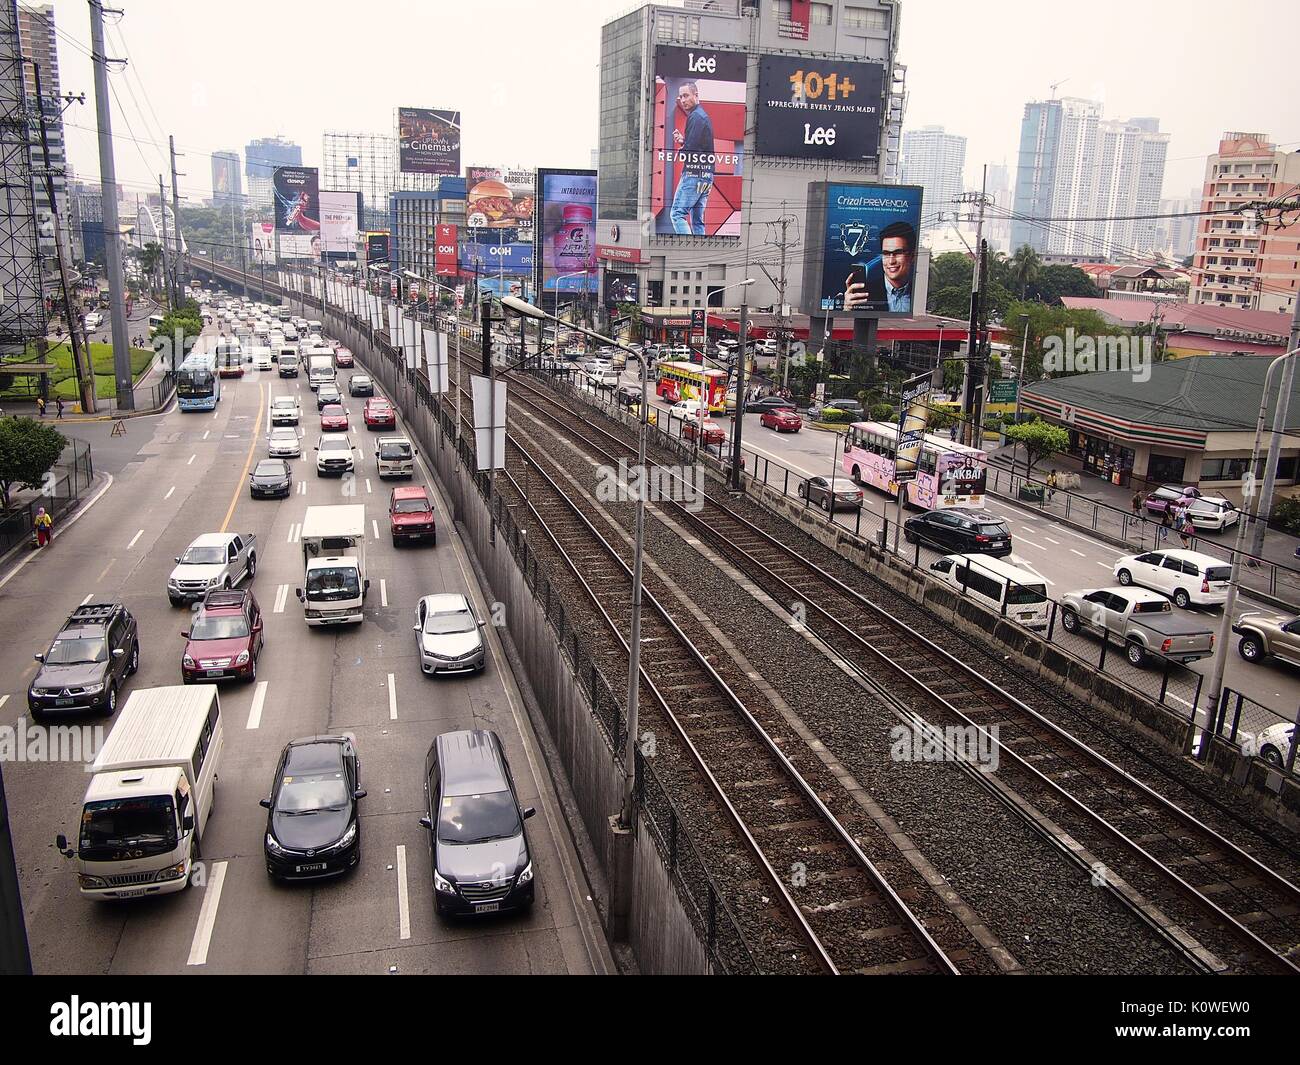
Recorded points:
(1213, 513)
(284, 442)
(285, 410)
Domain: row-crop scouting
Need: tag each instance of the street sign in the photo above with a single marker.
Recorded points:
(1003, 391)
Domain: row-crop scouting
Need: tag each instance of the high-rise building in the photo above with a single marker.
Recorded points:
(227, 182)
(684, 255)
(1176, 229)
(1073, 163)
(935, 160)
(261, 157)
(1240, 260)
(39, 44)
(368, 163)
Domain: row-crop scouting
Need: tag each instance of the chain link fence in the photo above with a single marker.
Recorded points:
(64, 485)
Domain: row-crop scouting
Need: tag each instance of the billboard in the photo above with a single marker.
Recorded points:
(261, 243)
(496, 198)
(514, 259)
(491, 284)
(812, 108)
(444, 249)
(224, 171)
(621, 288)
(297, 199)
(863, 249)
(914, 413)
(340, 213)
(428, 141)
(564, 231)
(300, 246)
(377, 247)
(699, 142)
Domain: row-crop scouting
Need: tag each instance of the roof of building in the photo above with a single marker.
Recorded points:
(1226, 322)
(1181, 401)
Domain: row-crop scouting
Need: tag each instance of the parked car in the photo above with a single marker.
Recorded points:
(284, 442)
(1015, 592)
(225, 638)
(313, 827)
(1213, 513)
(447, 635)
(360, 384)
(1162, 498)
(213, 560)
(1140, 620)
(410, 515)
(1187, 577)
(379, 414)
(965, 530)
(850, 406)
(1273, 743)
(478, 847)
(1264, 637)
(334, 418)
(87, 662)
(831, 494)
(270, 479)
(782, 419)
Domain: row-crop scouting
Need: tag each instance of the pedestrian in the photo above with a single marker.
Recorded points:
(44, 527)
(40, 406)
(58, 406)
(1187, 530)
(1051, 485)
(1136, 504)
(1166, 523)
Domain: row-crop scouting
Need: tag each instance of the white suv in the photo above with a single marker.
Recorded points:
(1187, 577)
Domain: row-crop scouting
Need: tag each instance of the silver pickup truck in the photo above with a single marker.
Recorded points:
(1142, 620)
(214, 560)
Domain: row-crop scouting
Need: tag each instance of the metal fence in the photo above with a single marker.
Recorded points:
(1256, 729)
(64, 485)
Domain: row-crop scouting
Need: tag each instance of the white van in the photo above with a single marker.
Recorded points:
(997, 584)
(1189, 578)
(150, 795)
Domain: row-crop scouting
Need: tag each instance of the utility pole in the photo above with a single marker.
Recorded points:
(972, 403)
(85, 377)
(784, 246)
(162, 213)
(108, 190)
(176, 221)
(1280, 411)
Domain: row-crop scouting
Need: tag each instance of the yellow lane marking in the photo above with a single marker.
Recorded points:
(239, 485)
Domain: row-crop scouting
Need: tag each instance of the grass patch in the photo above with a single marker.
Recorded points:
(63, 382)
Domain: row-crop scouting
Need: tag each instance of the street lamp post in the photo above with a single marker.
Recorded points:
(452, 291)
(738, 422)
(1225, 623)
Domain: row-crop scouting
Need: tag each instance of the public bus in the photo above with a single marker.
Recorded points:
(948, 474)
(683, 380)
(155, 323)
(229, 354)
(198, 387)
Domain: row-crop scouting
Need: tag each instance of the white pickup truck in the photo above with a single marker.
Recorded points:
(213, 560)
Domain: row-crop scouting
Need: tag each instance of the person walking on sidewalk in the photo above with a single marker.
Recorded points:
(40, 406)
(1136, 504)
(1051, 485)
(58, 407)
(44, 527)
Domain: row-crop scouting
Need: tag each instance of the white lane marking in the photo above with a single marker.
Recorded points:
(281, 596)
(137, 536)
(375, 525)
(302, 488)
(403, 900)
(87, 599)
(392, 698)
(3, 699)
(1075, 551)
(205, 433)
(255, 711)
(1171, 695)
(191, 460)
(169, 492)
(1021, 539)
(207, 915)
(1051, 541)
(1105, 565)
(383, 592)
(367, 485)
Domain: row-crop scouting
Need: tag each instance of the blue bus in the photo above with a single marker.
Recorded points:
(198, 386)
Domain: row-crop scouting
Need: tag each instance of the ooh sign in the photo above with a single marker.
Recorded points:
(339, 214)
(297, 199)
(699, 141)
(811, 108)
(444, 252)
(262, 242)
(912, 419)
(620, 288)
(428, 141)
(868, 239)
(565, 230)
(497, 258)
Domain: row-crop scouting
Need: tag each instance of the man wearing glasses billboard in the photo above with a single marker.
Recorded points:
(888, 285)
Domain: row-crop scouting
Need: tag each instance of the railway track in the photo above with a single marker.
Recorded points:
(1223, 908)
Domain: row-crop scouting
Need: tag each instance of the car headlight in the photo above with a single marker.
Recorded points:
(344, 840)
(92, 689)
(527, 875)
(213, 582)
(442, 884)
(273, 846)
(242, 658)
(172, 872)
(87, 881)
(172, 582)
(187, 661)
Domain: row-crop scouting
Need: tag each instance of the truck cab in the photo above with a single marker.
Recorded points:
(395, 457)
(287, 360)
(334, 565)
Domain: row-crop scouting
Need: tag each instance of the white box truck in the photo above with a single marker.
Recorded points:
(320, 369)
(150, 794)
(334, 565)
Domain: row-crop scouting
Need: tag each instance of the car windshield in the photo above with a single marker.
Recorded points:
(204, 556)
(269, 469)
(333, 582)
(312, 792)
(332, 410)
(122, 822)
(219, 627)
(395, 451)
(452, 621)
(1026, 594)
(284, 434)
(994, 528)
(78, 652)
(478, 818)
(360, 380)
(409, 506)
(1218, 573)
(286, 403)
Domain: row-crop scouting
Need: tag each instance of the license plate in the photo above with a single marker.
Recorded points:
(313, 867)
(62, 702)
(213, 672)
(1025, 617)
(487, 907)
(130, 893)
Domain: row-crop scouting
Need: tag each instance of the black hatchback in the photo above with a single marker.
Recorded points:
(960, 529)
(312, 827)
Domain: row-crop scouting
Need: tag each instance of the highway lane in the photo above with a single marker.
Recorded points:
(186, 480)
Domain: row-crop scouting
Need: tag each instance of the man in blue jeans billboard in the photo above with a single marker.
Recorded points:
(695, 149)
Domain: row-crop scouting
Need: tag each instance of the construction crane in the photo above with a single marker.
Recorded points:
(1056, 85)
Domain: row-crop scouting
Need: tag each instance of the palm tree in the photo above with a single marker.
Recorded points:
(1025, 265)
(150, 260)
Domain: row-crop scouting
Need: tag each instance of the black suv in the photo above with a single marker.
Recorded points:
(960, 529)
(89, 660)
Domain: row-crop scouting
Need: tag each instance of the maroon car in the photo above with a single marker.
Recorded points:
(334, 418)
(782, 419)
(225, 639)
(343, 357)
(410, 514)
(709, 434)
(379, 414)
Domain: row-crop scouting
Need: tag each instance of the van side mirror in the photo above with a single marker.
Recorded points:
(187, 823)
(360, 793)
(185, 633)
(265, 804)
(39, 658)
(528, 812)
(61, 842)
(426, 823)
(298, 592)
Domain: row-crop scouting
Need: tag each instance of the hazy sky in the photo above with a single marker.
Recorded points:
(524, 74)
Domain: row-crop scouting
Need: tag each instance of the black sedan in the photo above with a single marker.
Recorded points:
(270, 479)
(312, 827)
(767, 403)
(830, 494)
(960, 529)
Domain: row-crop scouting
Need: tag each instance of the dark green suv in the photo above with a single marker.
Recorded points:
(88, 662)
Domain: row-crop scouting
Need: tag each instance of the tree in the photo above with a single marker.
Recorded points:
(1060, 280)
(1024, 267)
(1039, 439)
(151, 260)
(28, 450)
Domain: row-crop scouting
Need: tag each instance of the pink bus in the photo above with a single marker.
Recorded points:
(949, 474)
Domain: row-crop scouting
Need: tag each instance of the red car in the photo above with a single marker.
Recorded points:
(333, 418)
(225, 639)
(379, 414)
(410, 514)
(343, 358)
(710, 434)
(783, 420)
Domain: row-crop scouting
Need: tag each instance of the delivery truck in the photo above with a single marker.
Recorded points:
(334, 565)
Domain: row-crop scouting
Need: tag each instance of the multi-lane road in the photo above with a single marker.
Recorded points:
(185, 474)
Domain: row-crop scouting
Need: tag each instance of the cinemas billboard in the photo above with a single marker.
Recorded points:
(699, 141)
(812, 108)
(428, 141)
